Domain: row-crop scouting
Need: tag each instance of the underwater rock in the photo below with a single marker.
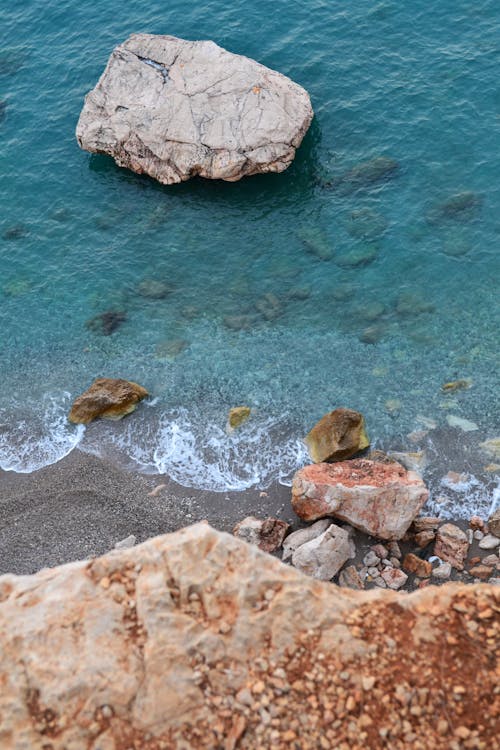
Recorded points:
(366, 224)
(458, 207)
(269, 306)
(153, 289)
(370, 311)
(412, 303)
(358, 256)
(171, 348)
(365, 175)
(237, 415)
(456, 385)
(316, 242)
(492, 447)
(107, 322)
(462, 424)
(240, 322)
(412, 460)
(378, 498)
(3, 109)
(343, 292)
(17, 287)
(15, 232)
(338, 435)
(323, 556)
(372, 334)
(107, 398)
(299, 293)
(174, 109)
(455, 245)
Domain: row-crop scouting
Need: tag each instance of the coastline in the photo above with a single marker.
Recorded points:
(81, 506)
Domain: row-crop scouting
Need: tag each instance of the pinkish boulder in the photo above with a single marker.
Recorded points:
(380, 499)
(452, 545)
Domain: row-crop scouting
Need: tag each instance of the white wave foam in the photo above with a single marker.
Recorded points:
(28, 444)
(202, 455)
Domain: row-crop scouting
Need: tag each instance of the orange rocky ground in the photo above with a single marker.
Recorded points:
(198, 640)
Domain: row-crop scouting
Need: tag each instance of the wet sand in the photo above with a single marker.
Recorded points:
(82, 505)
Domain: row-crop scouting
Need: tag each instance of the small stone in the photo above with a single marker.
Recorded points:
(380, 582)
(489, 541)
(349, 578)
(476, 523)
(491, 560)
(105, 582)
(413, 461)
(423, 538)
(394, 578)
(395, 550)
(267, 534)
(426, 523)
(153, 289)
(494, 523)
(381, 551)
(442, 572)
(126, 543)
(481, 571)
(478, 535)
(371, 559)
(367, 681)
(451, 545)
(414, 564)
(462, 424)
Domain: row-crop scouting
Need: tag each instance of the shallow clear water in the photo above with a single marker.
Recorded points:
(78, 235)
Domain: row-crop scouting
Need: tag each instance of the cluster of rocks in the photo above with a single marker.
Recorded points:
(381, 498)
(197, 640)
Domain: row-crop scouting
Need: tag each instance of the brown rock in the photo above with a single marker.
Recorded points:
(414, 564)
(476, 523)
(338, 435)
(426, 523)
(451, 545)
(380, 499)
(106, 398)
(481, 571)
(268, 534)
(238, 415)
(423, 538)
(349, 578)
(148, 663)
(494, 523)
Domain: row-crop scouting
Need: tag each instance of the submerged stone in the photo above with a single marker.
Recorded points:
(358, 256)
(153, 289)
(366, 174)
(107, 398)
(171, 348)
(338, 435)
(15, 232)
(174, 109)
(107, 322)
(269, 306)
(373, 334)
(458, 207)
(412, 303)
(316, 242)
(366, 224)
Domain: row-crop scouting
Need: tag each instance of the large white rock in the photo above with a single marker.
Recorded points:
(174, 109)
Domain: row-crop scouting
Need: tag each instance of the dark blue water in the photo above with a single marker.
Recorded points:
(379, 294)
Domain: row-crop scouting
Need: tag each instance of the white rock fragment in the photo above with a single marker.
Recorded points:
(297, 538)
(173, 109)
(489, 542)
(324, 556)
(442, 572)
(463, 424)
(126, 543)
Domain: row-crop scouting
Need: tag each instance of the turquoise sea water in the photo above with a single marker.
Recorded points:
(373, 293)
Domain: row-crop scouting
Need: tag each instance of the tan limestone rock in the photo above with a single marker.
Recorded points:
(380, 499)
(185, 641)
(451, 545)
(323, 556)
(106, 398)
(238, 415)
(338, 435)
(173, 109)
